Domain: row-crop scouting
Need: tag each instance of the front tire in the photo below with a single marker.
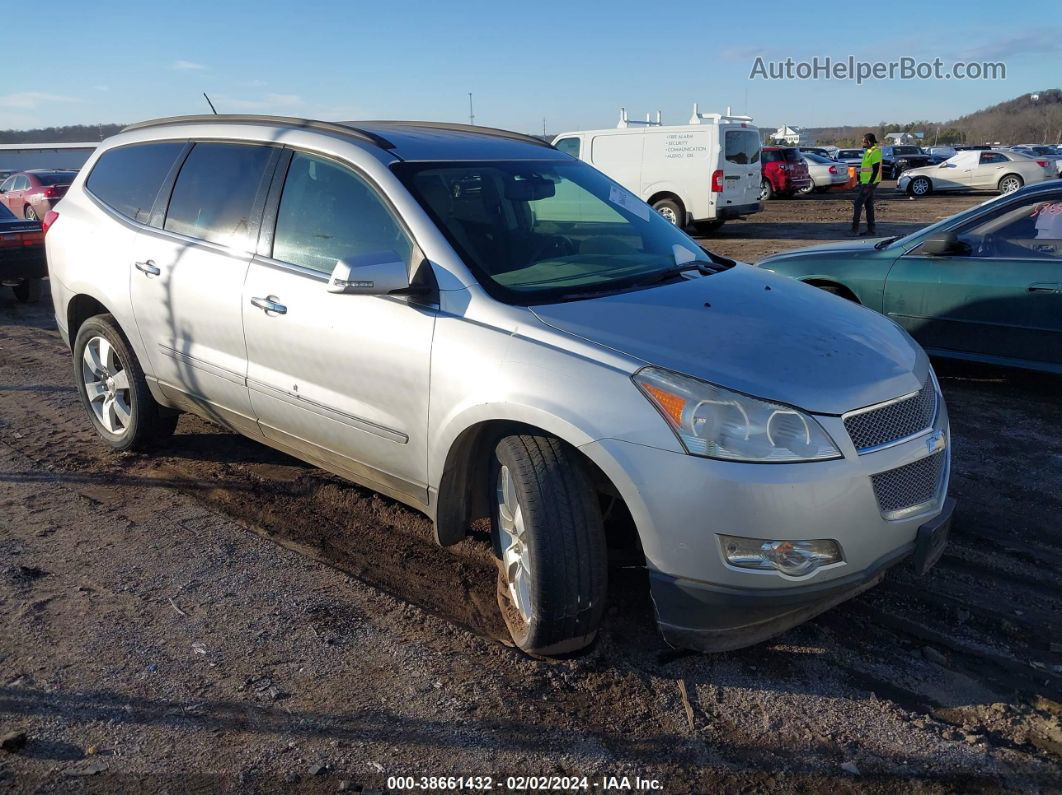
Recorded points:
(113, 390)
(920, 186)
(766, 190)
(550, 540)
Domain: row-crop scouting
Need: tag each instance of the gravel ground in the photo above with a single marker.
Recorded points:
(221, 617)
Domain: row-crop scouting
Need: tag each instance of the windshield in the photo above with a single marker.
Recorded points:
(817, 158)
(850, 153)
(906, 150)
(543, 232)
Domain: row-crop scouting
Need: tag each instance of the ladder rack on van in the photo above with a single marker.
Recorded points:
(625, 122)
(715, 118)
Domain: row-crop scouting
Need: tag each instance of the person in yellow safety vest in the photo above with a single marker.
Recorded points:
(869, 177)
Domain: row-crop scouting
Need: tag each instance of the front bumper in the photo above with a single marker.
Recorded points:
(681, 504)
(697, 615)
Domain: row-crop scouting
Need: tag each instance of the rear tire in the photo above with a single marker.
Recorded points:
(671, 211)
(766, 190)
(30, 214)
(550, 540)
(1010, 183)
(28, 291)
(113, 390)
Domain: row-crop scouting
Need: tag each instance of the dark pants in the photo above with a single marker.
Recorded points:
(865, 197)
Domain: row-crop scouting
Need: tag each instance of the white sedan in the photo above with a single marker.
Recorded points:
(825, 173)
(1005, 172)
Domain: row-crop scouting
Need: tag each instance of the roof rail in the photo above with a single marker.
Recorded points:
(345, 128)
(470, 128)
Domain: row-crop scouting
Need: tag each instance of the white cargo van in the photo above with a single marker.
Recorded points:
(704, 172)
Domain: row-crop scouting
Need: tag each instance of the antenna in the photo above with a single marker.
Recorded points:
(471, 115)
(211, 104)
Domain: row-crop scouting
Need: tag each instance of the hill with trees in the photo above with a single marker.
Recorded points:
(73, 133)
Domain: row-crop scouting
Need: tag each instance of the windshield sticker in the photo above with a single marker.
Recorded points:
(629, 202)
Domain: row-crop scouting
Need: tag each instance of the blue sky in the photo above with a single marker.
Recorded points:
(573, 63)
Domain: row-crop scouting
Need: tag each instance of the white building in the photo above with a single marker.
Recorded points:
(902, 139)
(20, 157)
(792, 136)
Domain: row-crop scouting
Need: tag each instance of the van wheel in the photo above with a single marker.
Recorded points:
(550, 542)
(920, 186)
(27, 291)
(113, 390)
(766, 191)
(672, 211)
(1010, 183)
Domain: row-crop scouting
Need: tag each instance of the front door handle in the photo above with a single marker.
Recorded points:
(149, 268)
(1042, 287)
(269, 304)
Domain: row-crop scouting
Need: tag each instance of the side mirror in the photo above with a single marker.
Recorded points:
(376, 273)
(945, 244)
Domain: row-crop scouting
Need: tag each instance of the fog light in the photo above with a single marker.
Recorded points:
(794, 558)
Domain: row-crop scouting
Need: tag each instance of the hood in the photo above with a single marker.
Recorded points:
(840, 247)
(791, 343)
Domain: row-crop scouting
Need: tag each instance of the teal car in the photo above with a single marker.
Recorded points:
(983, 285)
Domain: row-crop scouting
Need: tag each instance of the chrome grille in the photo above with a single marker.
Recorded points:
(873, 427)
(909, 486)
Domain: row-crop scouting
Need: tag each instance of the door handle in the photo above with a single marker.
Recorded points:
(149, 268)
(1042, 287)
(269, 304)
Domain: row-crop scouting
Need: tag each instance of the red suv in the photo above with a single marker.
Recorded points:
(31, 194)
(783, 172)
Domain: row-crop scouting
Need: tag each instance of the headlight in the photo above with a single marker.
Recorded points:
(717, 423)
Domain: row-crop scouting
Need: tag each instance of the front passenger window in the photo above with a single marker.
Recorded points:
(1032, 230)
(328, 213)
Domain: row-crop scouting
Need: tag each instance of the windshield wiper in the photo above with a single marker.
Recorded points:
(886, 242)
(703, 268)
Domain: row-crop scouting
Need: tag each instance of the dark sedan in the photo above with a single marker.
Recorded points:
(984, 285)
(22, 262)
(897, 159)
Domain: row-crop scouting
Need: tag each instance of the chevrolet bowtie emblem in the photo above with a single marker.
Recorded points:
(936, 442)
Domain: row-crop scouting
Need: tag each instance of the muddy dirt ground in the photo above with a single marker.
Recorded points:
(218, 616)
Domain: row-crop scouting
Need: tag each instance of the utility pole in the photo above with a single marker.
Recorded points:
(543, 126)
(471, 115)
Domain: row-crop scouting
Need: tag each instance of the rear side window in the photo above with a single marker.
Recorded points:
(215, 191)
(772, 156)
(741, 147)
(328, 213)
(791, 155)
(128, 179)
(570, 146)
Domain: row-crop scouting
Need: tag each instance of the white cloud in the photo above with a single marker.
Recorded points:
(188, 66)
(29, 100)
(101, 88)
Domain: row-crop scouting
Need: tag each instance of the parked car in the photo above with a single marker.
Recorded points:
(971, 147)
(31, 194)
(897, 159)
(1041, 152)
(940, 153)
(1001, 171)
(22, 263)
(318, 295)
(703, 173)
(784, 172)
(984, 285)
(824, 172)
(850, 157)
(815, 150)
(5, 173)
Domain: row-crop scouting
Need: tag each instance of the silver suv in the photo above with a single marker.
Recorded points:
(479, 325)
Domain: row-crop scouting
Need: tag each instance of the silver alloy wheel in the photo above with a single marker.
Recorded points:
(1009, 185)
(669, 215)
(516, 560)
(764, 190)
(920, 187)
(106, 385)
(30, 214)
